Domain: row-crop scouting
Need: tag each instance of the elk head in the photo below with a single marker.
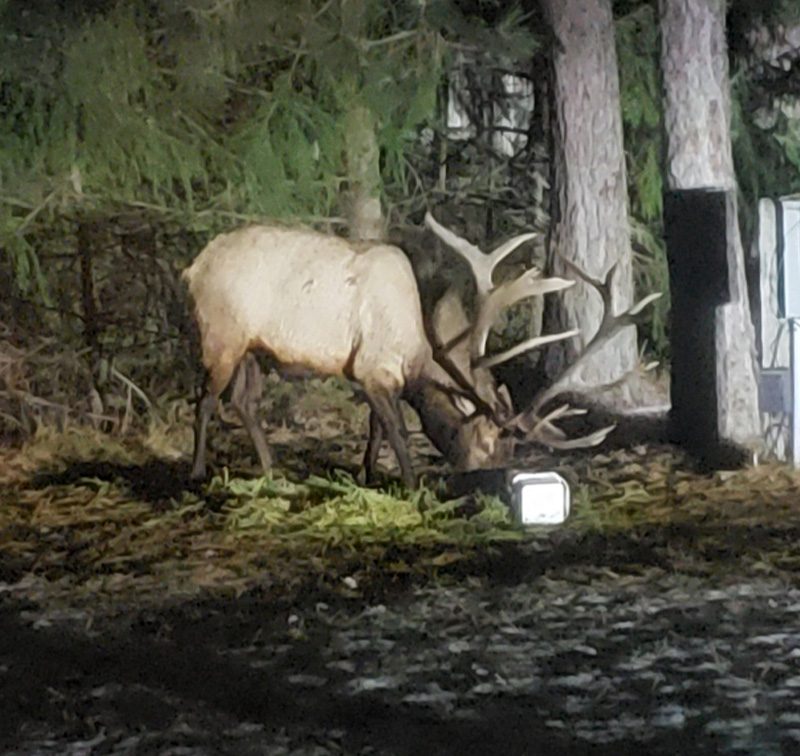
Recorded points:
(460, 342)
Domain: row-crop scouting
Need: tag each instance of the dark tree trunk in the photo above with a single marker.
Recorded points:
(590, 214)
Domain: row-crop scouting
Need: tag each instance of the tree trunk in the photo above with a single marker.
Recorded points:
(363, 197)
(590, 214)
(694, 62)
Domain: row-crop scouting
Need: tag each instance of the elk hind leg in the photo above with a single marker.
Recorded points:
(248, 387)
(218, 376)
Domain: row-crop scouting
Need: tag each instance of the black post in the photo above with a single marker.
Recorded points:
(696, 227)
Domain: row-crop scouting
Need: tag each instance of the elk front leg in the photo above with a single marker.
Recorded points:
(373, 447)
(386, 406)
(205, 409)
(247, 389)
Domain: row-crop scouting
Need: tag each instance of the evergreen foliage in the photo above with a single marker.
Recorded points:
(637, 39)
(205, 114)
(199, 111)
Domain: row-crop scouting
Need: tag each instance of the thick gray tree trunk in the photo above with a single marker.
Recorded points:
(694, 61)
(590, 222)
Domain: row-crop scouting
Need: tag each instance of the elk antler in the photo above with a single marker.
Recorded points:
(527, 420)
(492, 300)
(481, 264)
(546, 432)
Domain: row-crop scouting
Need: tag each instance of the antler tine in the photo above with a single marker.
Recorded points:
(475, 258)
(564, 410)
(529, 284)
(524, 346)
(547, 433)
(481, 264)
(602, 286)
(642, 303)
(581, 442)
(496, 256)
(549, 419)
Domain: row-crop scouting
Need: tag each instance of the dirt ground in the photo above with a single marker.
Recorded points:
(662, 618)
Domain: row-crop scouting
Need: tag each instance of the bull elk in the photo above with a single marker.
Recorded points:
(318, 302)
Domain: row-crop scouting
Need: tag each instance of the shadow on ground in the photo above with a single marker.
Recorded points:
(154, 481)
(157, 670)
